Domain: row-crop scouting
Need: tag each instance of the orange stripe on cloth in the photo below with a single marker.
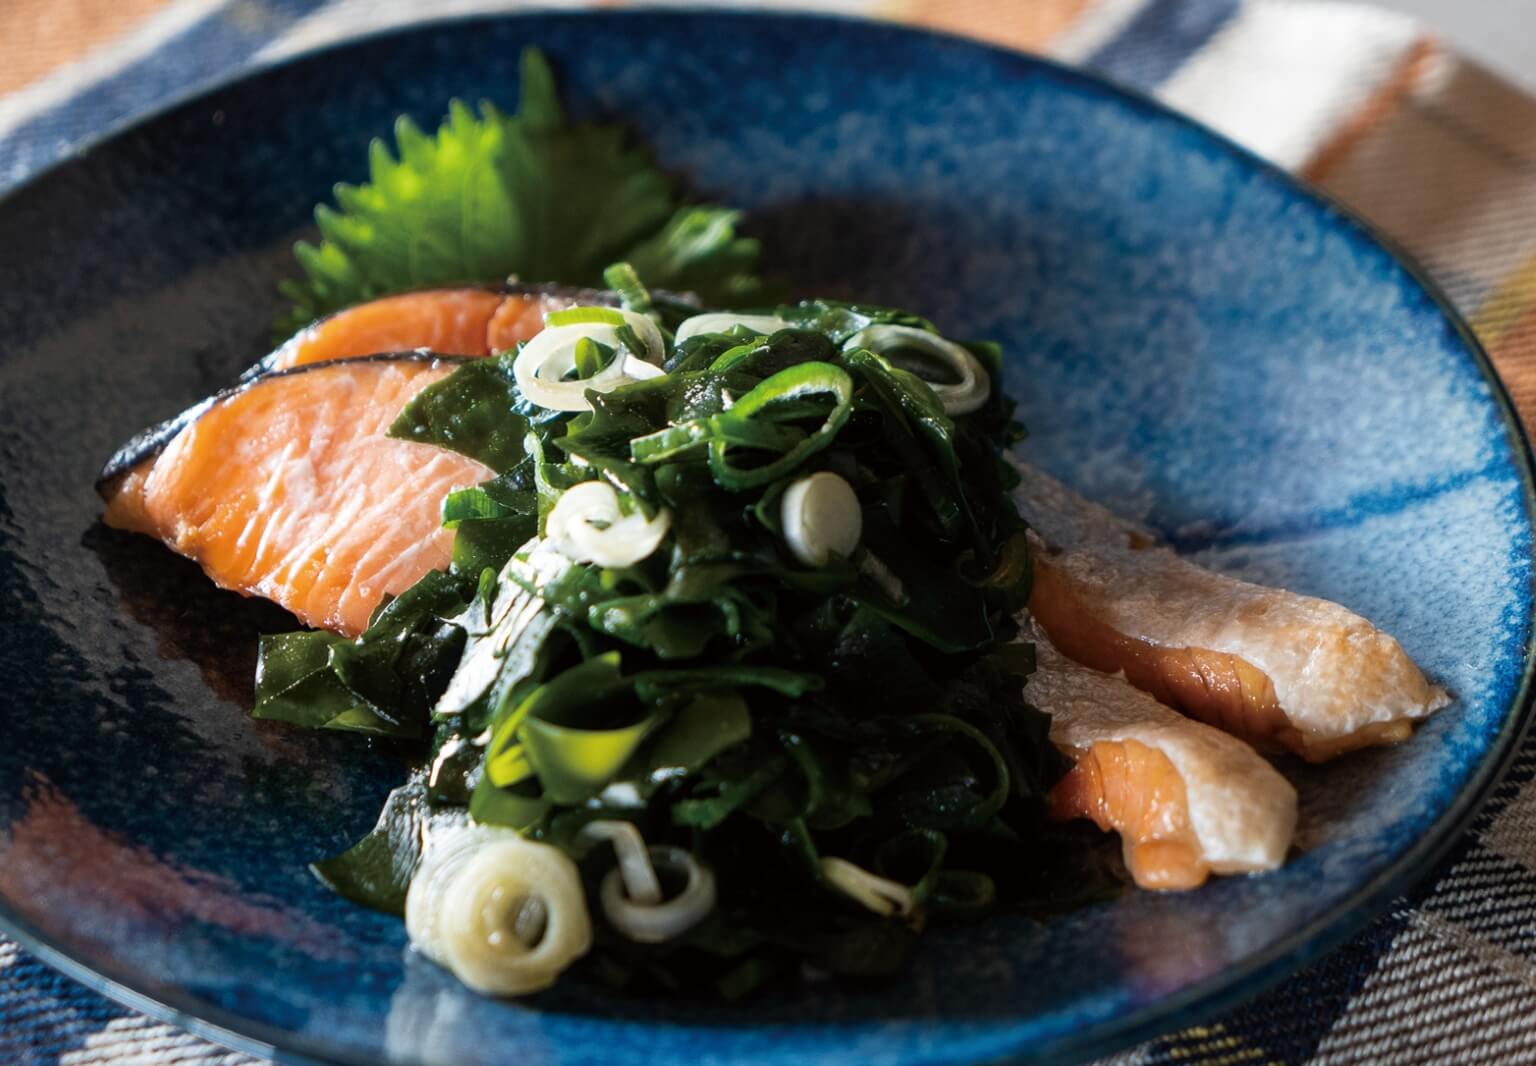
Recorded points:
(1375, 111)
(1506, 305)
(41, 35)
(1024, 24)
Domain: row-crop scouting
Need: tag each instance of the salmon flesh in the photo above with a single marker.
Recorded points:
(287, 487)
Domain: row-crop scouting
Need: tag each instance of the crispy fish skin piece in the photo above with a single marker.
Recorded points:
(467, 321)
(286, 487)
(1188, 800)
(1275, 668)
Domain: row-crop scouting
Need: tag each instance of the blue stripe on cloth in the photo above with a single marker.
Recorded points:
(210, 49)
(1159, 40)
(1287, 1023)
(45, 1013)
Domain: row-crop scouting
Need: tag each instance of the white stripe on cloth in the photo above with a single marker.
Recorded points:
(1093, 29)
(138, 1041)
(102, 62)
(344, 19)
(1283, 74)
(1439, 995)
(1138, 1056)
(1513, 831)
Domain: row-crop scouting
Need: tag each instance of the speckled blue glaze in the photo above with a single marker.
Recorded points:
(1191, 337)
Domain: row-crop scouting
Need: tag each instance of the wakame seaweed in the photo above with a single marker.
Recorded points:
(719, 694)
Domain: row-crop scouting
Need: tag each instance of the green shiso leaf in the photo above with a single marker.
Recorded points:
(531, 195)
(698, 251)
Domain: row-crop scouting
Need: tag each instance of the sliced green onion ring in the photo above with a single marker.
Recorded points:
(675, 441)
(551, 355)
(960, 397)
(720, 321)
(1012, 564)
(785, 395)
(587, 525)
(962, 894)
(938, 724)
(581, 316)
(759, 421)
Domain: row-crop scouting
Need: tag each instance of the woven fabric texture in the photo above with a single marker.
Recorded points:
(1366, 104)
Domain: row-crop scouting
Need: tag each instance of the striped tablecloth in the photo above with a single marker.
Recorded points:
(1367, 104)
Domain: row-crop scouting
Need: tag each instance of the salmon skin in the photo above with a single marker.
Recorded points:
(287, 487)
(469, 321)
(1280, 670)
(1187, 800)
(148, 443)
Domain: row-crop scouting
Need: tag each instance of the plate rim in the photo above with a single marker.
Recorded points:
(1213, 995)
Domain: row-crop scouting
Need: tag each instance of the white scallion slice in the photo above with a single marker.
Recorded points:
(587, 525)
(880, 894)
(720, 321)
(821, 518)
(639, 876)
(505, 914)
(872, 567)
(647, 923)
(551, 355)
(958, 397)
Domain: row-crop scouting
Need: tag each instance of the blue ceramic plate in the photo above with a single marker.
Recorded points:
(1193, 338)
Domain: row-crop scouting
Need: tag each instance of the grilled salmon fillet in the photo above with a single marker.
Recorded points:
(286, 487)
(1187, 800)
(467, 321)
(1280, 670)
